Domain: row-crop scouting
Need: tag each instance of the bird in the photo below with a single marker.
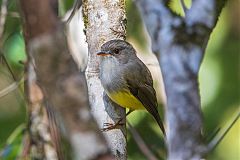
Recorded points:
(127, 80)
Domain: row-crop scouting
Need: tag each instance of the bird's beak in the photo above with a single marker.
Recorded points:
(104, 53)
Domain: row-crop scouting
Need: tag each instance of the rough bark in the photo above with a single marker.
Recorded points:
(43, 134)
(179, 43)
(102, 19)
(42, 144)
(60, 80)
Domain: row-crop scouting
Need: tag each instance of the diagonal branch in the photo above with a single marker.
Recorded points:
(219, 137)
(141, 144)
(8, 66)
(76, 7)
(10, 88)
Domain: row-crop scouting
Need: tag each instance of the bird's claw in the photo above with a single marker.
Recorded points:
(110, 126)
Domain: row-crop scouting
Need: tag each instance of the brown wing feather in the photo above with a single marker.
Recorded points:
(140, 84)
(146, 95)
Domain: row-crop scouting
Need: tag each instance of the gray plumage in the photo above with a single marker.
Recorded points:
(123, 70)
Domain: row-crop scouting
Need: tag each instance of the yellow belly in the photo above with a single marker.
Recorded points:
(126, 99)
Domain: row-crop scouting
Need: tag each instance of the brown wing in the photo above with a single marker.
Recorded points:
(141, 86)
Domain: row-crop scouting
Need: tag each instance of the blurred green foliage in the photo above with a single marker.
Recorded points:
(219, 84)
(178, 6)
(14, 144)
(14, 50)
(13, 21)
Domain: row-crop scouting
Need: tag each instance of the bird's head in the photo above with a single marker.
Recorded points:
(117, 49)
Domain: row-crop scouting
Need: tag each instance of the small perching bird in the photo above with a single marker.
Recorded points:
(127, 80)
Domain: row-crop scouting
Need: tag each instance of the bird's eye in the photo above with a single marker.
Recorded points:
(116, 51)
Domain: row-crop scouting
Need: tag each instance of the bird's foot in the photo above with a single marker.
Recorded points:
(111, 126)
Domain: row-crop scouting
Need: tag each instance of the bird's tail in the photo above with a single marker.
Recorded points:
(160, 123)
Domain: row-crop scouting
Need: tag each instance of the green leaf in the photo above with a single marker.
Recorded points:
(178, 6)
(13, 147)
(14, 50)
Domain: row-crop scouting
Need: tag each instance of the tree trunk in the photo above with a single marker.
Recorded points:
(179, 43)
(103, 19)
(43, 134)
(60, 80)
(42, 144)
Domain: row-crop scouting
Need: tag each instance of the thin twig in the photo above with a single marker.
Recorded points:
(10, 88)
(8, 67)
(13, 76)
(140, 142)
(76, 7)
(3, 15)
(210, 137)
(218, 138)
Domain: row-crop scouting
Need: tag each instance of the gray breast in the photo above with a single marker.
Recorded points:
(111, 75)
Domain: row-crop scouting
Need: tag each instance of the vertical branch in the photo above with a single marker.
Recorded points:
(43, 140)
(102, 19)
(179, 45)
(60, 80)
(3, 15)
(42, 145)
